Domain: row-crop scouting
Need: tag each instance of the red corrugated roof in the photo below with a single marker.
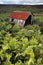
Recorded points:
(20, 15)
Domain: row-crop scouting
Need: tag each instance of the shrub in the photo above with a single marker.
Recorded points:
(20, 45)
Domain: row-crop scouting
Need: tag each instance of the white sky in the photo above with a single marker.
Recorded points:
(30, 2)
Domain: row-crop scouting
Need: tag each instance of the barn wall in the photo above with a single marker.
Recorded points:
(21, 22)
(32, 19)
(17, 21)
(10, 19)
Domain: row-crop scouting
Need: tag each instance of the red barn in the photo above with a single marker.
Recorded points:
(21, 17)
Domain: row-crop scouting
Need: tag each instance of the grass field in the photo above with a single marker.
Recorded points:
(4, 15)
(39, 18)
(21, 45)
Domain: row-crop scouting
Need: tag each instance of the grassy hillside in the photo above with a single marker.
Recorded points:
(21, 45)
(9, 8)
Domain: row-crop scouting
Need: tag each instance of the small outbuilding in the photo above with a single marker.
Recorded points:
(21, 17)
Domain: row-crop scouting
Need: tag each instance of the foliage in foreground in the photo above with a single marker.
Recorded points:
(20, 46)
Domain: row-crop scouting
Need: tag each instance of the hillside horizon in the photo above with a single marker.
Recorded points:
(5, 5)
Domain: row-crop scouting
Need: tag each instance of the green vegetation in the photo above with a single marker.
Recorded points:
(21, 45)
(39, 18)
(20, 8)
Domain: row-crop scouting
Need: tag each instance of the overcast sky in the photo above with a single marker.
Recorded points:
(28, 2)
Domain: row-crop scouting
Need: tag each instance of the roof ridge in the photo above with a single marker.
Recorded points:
(21, 11)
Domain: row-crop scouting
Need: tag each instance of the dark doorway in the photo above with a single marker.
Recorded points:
(12, 20)
(28, 21)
